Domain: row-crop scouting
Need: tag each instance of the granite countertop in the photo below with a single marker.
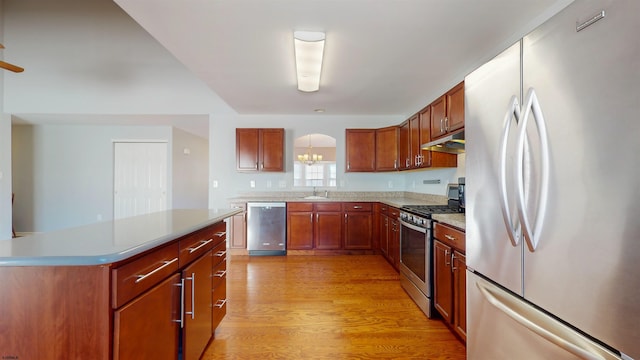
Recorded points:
(108, 241)
(457, 220)
(391, 198)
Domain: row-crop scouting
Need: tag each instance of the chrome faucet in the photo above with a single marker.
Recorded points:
(314, 191)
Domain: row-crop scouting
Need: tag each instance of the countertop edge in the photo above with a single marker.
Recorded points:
(109, 258)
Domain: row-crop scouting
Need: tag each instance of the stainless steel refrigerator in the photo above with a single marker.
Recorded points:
(553, 190)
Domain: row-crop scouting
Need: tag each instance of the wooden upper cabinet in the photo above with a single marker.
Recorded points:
(404, 148)
(271, 156)
(260, 149)
(447, 112)
(387, 148)
(414, 140)
(438, 115)
(425, 136)
(455, 108)
(360, 150)
(247, 145)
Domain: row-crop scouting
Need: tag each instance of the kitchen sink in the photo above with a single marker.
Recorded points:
(315, 197)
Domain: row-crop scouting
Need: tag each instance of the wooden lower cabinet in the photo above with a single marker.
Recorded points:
(460, 294)
(328, 230)
(358, 225)
(336, 226)
(450, 293)
(394, 238)
(300, 226)
(196, 285)
(219, 286)
(443, 280)
(383, 229)
(149, 324)
(238, 227)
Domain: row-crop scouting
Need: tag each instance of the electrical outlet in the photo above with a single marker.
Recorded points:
(215, 184)
(252, 183)
(268, 183)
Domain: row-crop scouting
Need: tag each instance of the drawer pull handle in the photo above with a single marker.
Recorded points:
(220, 273)
(357, 207)
(221, 233)
(221, 253)
(220, 303)
(449, 237)
(202, 243)
(164, 265)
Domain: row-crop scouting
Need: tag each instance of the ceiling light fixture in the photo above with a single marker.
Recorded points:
(309, 47)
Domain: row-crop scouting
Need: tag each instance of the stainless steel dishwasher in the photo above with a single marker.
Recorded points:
(266, 228)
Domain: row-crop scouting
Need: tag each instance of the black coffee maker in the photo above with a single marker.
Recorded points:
(461, 204)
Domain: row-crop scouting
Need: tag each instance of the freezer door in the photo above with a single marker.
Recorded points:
(506, 327)
(492, 93)
(585, 267)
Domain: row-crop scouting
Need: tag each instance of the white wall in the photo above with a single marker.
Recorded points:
(63, 175)
(5, 153)
(5, 174)
(190, 170)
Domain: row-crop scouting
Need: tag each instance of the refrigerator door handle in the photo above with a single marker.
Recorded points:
(513, 112)
(532, 233)
(542, 324)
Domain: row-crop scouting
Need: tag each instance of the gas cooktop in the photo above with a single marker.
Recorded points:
(427, 210)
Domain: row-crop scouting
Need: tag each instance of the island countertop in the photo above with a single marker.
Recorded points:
(108, 241)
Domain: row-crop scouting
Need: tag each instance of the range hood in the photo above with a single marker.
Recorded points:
(452, 144)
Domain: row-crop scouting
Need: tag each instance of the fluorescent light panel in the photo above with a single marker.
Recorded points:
(309, 47)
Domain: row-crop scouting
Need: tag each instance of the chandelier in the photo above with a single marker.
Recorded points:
(309, 157)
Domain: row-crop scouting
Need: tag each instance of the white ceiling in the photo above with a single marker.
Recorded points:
(381, 56)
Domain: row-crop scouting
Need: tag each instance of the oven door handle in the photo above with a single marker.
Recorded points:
(413, 227)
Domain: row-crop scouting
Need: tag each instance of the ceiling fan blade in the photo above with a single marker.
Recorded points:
(11, 67)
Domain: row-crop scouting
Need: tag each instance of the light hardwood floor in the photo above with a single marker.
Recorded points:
(324, 307)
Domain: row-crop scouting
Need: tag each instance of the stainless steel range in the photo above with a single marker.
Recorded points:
(416, 248)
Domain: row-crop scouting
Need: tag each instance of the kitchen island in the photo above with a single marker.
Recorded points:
(142, 287)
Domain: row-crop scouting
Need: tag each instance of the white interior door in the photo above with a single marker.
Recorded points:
(140, 178)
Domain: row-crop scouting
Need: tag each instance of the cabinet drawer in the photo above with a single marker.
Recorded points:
(192, 246)
(218, 232)
(130, 280)
(383, 209)
(357, 206)
(299, 206)
(220, 253)
(326, 207)
(219, 301)
(450, 236)
(219, 274)
(394, 212)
